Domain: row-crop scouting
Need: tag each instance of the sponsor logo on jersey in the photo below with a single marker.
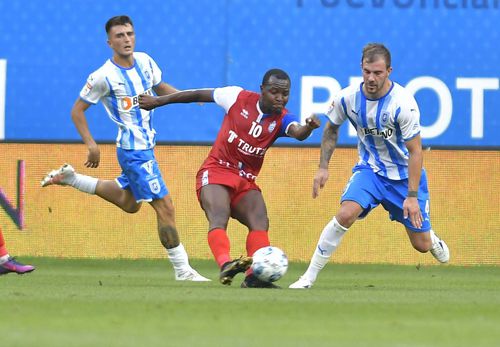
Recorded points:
(128, 102)
(232, 136)
(376, 132)
(246, 148)
(248, 175)
(148, 166)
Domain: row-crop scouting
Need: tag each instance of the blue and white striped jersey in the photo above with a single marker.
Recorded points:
(382, 126)
(118, 88)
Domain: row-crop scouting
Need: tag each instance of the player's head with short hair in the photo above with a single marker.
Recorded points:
(278, 73)
(118, 20)
(376, 68)
(121, 39)
(275, 90)
(375, 51)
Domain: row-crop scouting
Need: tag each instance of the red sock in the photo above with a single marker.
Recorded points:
(220, 246)
(256, 239)
(3, 249)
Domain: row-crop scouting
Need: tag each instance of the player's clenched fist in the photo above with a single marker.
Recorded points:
(313, 121)
(147, 102)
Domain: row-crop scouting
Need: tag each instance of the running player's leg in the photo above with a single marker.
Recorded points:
(118, 195)
(169, 238)
(250, 209)
(423, 239)
(329, 240)
(109, 190)
(215, 199)
(361, 194)
(142, 177)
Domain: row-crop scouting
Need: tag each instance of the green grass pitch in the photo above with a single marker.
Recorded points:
(138, 303)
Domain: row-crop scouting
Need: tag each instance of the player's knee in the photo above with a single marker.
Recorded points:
(217, 219)
(218, 223)
(164, 208)
(346, 218)
(265, 224)
(423, 246)
(166, 215)
(131, 208)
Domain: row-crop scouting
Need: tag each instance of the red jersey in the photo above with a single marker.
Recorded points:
(246, 133)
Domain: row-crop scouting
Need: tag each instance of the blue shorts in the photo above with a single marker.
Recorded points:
(141, 174)
(369, 190)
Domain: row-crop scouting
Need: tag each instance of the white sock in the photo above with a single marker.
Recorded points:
(178, 257)
(328, 241)
(84, 183)
(4, 259)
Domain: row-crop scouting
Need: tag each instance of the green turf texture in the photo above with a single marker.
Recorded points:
(138, 303)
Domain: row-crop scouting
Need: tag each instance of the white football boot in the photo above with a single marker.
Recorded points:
(439, 248)
(62, 176)
(190, 274)
(302, 283)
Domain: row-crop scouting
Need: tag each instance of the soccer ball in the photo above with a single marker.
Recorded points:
(269, 264)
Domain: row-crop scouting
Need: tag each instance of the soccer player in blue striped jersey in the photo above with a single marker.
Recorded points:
(389, 171)
(117, 84)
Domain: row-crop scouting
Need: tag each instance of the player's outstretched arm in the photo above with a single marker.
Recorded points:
(148, 102)
(328, 144)
(302, 132)
(164, 89)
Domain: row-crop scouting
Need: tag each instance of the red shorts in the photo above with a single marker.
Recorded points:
(227, 177)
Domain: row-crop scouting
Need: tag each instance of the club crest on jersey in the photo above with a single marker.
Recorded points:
(147, 75)
(272, 126)
(384, 119)
(244, 113)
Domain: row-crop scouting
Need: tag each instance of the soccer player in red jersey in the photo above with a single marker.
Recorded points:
(225, 183)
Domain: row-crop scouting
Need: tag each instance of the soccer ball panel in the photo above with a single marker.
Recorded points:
(269, 264)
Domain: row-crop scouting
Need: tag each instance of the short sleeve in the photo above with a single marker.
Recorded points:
(336, 111)
(288, 120)
(157, 74)
(409, 118)
(94, 89)
(226, 96)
